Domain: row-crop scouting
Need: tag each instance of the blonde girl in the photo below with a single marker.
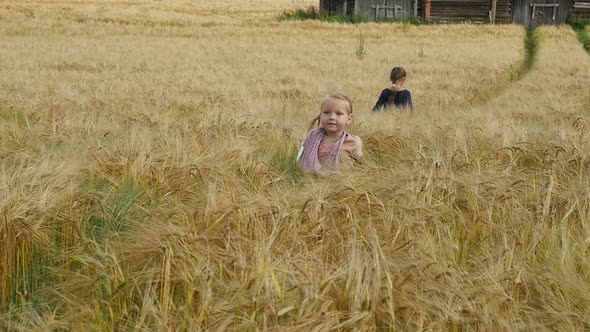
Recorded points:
(327, 145)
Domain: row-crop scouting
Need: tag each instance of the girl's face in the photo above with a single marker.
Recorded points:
(335, 116)
(400, 83)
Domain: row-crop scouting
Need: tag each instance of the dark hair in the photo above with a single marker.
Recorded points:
(397, 73)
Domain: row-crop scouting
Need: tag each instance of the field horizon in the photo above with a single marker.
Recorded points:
(148, 177)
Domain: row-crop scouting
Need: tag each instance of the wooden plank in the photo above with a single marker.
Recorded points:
(493, 13)
(384, 7)
(427, 10)
(581, 9)
(474, 10)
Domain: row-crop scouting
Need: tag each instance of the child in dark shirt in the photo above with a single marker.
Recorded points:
(395, 95)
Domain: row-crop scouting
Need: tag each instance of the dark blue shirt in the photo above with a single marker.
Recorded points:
(402, 99)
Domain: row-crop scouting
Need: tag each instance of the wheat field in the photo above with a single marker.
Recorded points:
(148, 182)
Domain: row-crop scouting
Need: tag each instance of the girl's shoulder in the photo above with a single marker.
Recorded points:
(386, 91)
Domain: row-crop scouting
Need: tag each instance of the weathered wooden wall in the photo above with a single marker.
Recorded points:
(581, 9)
(522, 12)
(471, 10)
(333, 7)
(481, 11)
(386, 9)
(441, 10)
(504, 11)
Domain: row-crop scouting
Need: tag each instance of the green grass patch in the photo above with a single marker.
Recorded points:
(112, 213)
(579, 23)
(14, 116)
(25, 286)
(286, 165)
(579, 26)
(584, 38)
(531, 45)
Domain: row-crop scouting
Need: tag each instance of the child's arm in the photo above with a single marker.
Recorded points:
(354, 146)
(382, 101)
(405, 100)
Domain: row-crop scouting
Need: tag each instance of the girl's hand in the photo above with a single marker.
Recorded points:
(354, 145)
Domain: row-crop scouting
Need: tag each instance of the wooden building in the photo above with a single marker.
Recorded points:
(530, 13)
(581, 9)
(480, 11)
(373, 10)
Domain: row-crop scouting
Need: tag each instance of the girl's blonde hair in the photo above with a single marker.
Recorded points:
(334, 95)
